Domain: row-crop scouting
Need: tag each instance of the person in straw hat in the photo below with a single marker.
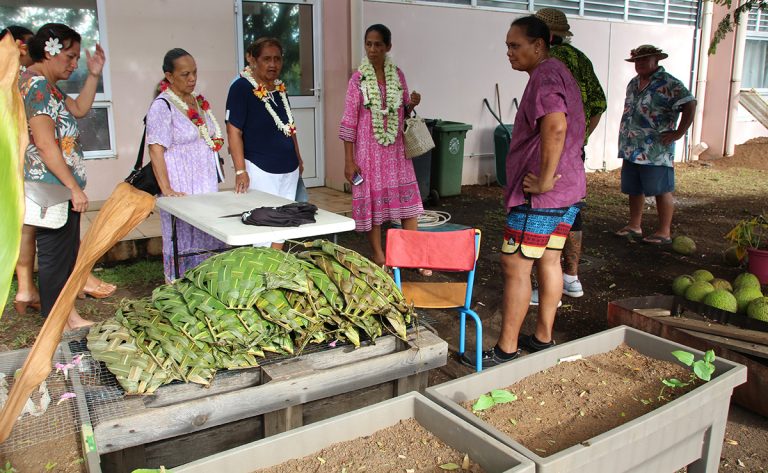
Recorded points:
(649, 129)
(593, 99)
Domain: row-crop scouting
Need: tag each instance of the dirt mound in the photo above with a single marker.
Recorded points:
(751, 155)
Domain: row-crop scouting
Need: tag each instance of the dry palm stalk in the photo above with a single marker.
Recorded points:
(121, 213)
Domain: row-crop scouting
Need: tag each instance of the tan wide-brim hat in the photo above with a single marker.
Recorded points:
(644, 51)
(555, 20)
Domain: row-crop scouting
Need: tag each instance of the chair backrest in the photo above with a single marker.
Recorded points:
(441, 251)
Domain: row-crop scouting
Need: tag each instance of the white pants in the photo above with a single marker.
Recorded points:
(283, 185)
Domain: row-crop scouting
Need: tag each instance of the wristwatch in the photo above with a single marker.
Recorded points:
(240, 171)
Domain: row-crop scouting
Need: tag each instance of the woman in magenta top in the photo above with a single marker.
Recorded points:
(372, 130)
(545, 183)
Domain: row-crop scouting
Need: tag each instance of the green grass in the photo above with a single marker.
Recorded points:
(127, 274)
(141, 272)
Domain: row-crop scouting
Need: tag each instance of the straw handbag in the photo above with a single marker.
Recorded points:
(416, 137)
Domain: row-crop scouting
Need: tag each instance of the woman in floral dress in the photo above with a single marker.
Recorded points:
(184, 139)
(54, 154)
(377, 101)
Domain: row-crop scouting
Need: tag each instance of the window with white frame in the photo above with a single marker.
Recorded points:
(678, 12)
(755, 73)
(85, 17)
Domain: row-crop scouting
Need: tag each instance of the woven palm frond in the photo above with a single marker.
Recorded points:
(113, 344)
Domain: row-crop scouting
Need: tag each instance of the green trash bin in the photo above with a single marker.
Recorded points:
(448, 157)
(501, 138)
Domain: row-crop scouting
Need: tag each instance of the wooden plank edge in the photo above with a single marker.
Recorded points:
(171, 421)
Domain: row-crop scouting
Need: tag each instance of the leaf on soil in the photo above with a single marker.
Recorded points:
(731, 442)
(581, 413)
(513, 421)
(400, 456)
(541, 450)
(410, 470)
(612, 285)
(740, 463)
(684, 357)
(449, 466)
(465, 462)
(502, 396)
(483, 402)
(321, 460)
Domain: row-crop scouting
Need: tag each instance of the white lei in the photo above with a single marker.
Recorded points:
(203, 128)
(261, 92)
(369, 86)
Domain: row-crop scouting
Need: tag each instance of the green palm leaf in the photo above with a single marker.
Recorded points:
(13, 141)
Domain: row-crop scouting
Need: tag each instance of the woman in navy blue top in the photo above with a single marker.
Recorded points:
(260, 126)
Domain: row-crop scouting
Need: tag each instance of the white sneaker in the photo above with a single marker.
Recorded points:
(573, 289)
(535, 298)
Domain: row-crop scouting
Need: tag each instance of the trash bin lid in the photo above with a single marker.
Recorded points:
(443, 125)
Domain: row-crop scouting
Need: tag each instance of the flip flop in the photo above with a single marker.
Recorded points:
(628, 233)
(102, 291)
(657, 240)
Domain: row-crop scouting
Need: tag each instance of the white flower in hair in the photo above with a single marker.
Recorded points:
(53, 47)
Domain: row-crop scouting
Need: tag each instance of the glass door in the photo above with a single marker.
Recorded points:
(296, 23)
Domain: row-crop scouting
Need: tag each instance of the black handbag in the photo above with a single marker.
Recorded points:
(143, 178)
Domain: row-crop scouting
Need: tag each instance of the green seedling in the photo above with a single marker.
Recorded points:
(701, 370)
(497, 396)
(8, 468)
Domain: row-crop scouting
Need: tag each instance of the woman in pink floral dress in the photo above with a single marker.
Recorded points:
(377, 101)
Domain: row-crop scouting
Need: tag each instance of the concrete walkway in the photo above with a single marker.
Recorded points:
(146, 239)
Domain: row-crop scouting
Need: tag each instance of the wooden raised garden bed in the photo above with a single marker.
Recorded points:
(183, 422)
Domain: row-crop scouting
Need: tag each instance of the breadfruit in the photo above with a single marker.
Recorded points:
(683, 245)
(698, 290)
(702, 275)
(721, 299)
(681, 283)
(758, 309)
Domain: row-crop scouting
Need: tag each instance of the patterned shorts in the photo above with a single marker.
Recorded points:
(531, 231)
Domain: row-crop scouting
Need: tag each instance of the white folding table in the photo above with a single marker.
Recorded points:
(208, 212)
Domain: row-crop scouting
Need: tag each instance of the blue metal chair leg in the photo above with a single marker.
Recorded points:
(462, 332)
(478, 336)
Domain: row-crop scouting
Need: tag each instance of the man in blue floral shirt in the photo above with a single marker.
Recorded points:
(649, 129)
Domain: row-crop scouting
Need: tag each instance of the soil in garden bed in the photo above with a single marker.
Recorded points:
(575, 401)
(406, 446)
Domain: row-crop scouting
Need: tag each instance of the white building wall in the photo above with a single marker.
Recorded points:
(140, 32)
(455, 56)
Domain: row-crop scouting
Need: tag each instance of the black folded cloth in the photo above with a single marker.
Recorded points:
(288, 215)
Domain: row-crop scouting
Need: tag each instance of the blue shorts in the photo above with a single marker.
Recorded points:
(646, 179)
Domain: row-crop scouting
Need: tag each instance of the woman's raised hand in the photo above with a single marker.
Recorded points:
(415, 99)
(95, 61)
(79, 200)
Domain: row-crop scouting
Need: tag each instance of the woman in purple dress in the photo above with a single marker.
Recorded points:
(184, 139)
(377, 101)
